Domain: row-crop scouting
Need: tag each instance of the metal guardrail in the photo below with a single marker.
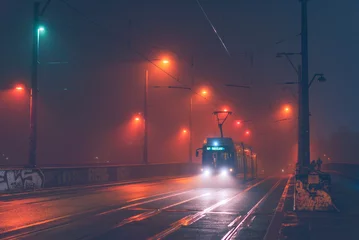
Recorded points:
(91, 165)
(25, 179)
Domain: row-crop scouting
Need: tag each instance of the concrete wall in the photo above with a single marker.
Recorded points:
(347, 169)
(20, 179)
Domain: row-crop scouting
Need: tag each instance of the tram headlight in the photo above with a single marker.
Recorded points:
(207, 172)
(224, 172)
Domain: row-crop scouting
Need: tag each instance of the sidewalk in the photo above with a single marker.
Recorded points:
(326, 225)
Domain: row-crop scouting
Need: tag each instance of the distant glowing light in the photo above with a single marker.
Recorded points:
(226, 110)
(215, 143)
(282, 170)
(41, 29)
(204, 92)
(224, 172)
(184, 131)
(137, 119)
(287, 109)
(248, 132)
(19, 88)
(165, 61)
(238, 122)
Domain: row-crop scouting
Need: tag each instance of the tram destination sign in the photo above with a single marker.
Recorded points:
(215, 148)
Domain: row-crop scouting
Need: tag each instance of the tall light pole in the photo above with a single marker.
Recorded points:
(34, 88)
(191, 113)
(304, 99)
(36, 29)
(190, 117)
(145, 116)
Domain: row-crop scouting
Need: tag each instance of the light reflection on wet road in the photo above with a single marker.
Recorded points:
(183, 208)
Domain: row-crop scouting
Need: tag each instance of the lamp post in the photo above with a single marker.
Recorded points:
(190, 117)
(145, 116)
(37, 29)
(303, 103)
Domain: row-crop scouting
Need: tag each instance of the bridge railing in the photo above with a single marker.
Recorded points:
(347, 169)
(24, 179)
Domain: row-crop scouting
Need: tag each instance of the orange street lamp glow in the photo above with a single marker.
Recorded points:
(165, 61)
(19, 88)
(204, 92)
(184, 130)
(225, 110)
(238, 122)
(247, 132)
(137, 119)
(287, 109)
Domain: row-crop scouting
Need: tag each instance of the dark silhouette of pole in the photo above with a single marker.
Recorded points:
(32, 161)
(191, 113)
(244, 163)
(305, 87)
(145, 116)
(256, 165)
(300, 118)
(252, 163)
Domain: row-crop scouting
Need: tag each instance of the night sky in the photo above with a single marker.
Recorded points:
(102, 46)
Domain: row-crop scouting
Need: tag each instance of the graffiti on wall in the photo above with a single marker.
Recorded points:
(24, 179)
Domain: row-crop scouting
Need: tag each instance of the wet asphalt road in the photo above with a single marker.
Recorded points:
(181, 208)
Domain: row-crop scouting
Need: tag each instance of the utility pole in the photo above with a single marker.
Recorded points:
(34, 88)
(256, 165)
(145, 116)
(32, 161)
(304, 98)
(252, 163)
(191, 113)
(300, 118)
(244, 163)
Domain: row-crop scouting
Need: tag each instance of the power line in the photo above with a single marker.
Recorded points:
(73, 8)
(214, 29)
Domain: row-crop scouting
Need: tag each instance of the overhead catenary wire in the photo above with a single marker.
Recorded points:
(214, 29)
(140, 54)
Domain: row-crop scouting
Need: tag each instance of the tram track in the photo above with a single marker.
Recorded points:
(190, 219)
(136, 204)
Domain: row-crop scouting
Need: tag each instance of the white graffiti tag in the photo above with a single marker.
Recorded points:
(24, 179)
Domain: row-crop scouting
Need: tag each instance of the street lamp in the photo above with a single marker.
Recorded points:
(190, 117)
(19, 87)
(145, 115)
(286, 109)
(41, 29)
(34, 82)
(191, 64)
